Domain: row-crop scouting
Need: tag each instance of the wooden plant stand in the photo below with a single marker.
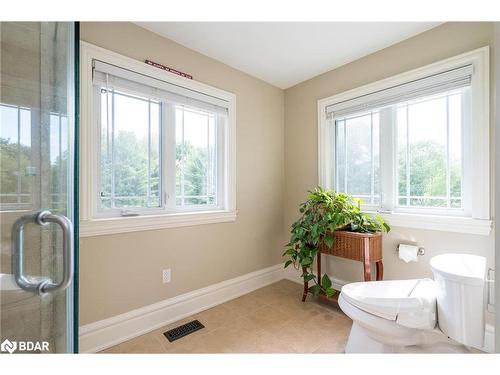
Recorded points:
(363, 247)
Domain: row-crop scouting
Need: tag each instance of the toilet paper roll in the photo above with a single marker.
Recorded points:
(408, 253)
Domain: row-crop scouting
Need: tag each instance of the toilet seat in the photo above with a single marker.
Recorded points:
(410, 303)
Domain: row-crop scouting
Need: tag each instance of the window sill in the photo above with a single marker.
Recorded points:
(439, 223)
(99, 227)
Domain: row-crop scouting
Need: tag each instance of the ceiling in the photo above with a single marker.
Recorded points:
(286, 53)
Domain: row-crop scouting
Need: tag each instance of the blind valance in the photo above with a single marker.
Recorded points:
(430, 85)
(114, 77)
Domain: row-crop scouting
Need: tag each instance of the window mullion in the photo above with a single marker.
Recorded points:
(408, 156)
(19, 174)
(61, 167)
(112, 198)
(387, 157)
(448, 172)
(467, 187)
(183, 154)
(345, 156)
(148, 193)
(168, 155)
(207, 177)
(331, 131)
(221, 149)
(372, 177)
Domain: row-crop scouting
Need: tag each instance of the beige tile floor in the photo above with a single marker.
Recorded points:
(269, 320)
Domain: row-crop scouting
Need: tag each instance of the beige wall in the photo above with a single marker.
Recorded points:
(123, 272)
(276, 165)
(301, 141)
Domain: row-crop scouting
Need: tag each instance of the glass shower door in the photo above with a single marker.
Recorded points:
(37, 147)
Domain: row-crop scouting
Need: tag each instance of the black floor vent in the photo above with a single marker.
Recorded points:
(183, 330)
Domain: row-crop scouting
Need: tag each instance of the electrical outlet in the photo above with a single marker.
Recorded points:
(167, 275)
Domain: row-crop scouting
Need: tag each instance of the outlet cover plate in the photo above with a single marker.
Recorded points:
(167, 275)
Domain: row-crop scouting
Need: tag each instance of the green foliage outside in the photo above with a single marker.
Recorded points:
(9, 168)
(130, 160)
(193, 162)
(427, 170)
(428, 174)
(427, 164)
(131, 172)
(10, 171)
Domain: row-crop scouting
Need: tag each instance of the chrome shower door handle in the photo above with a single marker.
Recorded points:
(45, 218)
(44, 285)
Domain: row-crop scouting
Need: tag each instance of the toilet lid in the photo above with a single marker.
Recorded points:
(389, 298)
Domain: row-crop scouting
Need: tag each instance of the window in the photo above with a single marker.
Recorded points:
(59, 143)
(195, 158)
(429, 155)
(356, 156)
(161, 146)
(20, 162)
(414, 145)
(130, 176)
(16, 166)
(429, 152)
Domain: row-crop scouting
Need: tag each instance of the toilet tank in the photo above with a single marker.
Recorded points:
(460, 280)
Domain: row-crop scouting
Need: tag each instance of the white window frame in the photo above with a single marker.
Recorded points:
(92, 223)
(478, 220)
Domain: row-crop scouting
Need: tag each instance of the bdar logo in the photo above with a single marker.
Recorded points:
(8, 346)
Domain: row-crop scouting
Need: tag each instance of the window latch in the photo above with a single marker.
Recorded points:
(127, 213)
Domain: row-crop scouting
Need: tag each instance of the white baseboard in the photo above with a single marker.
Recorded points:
(489, 339)
(105, 333)
(292, 274)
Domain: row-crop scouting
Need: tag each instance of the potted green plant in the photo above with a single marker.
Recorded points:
(324, 213)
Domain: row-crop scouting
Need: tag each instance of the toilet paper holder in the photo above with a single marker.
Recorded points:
(421, 250)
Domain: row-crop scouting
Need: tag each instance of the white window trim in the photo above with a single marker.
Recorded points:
(90, 225)
(479, 222)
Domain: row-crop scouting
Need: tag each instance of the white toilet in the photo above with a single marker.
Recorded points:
(423, 315)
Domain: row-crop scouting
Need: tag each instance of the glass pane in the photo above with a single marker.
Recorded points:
(357, 157)
(106, 159)
(27, 170)
(455, 121)
(427, 139)
(430, 151)
(17, 169)
(130, 151)
(36, 154)
(375, 132)
(154, 193)
(456, 203)
(402, 157)
(58, 159)
(196, 158)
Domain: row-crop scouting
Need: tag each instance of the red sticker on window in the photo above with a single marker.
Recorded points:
(168, 69)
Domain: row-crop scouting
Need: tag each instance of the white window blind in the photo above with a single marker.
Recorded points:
(114, 77)
(451, 79)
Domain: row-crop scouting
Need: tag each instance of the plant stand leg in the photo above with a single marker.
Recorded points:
(306, 287)
(380, 270)
(366, 260)
(319, 266)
